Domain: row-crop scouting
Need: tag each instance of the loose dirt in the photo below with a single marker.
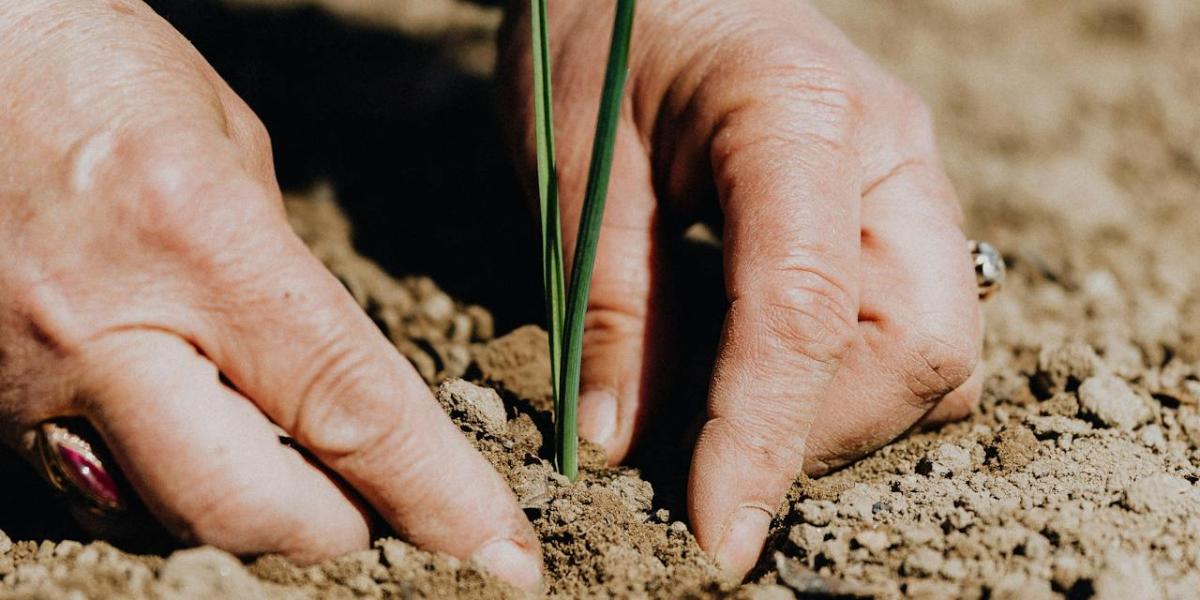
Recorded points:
(1070, 132)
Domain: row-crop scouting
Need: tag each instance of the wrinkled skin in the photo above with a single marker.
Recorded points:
(145, 251)
(853, 312)
(146, 254)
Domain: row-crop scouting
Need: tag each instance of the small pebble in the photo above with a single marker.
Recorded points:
(362, 584)
(1152, 437)
(67, 548)
(857, 502)
(874, 540)
(30, 573)
(1061, 366)
(1112, 402)
(460, 328)
(954, 569)
(836, 551)
(945, 461)
(923, 562)
(1125, 576)
(476, 405)
(806, 536)
(87, 557)
(817, 512)
(766, 592)
(207, 573)
(1161, 493)
(438, 307)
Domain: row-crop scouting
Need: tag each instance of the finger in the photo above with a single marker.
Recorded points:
(790, 198)
(204, 460)
(292, 339)
(624, 335)
(919, 318)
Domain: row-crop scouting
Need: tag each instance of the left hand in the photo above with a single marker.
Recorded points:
(853, 310)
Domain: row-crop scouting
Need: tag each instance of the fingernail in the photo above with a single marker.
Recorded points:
(506, 560)
(598, 416)
(743, 541)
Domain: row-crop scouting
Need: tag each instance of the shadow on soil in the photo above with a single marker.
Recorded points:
(415, 151)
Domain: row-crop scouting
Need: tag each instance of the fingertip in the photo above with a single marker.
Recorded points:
(598, 414)
(512, 562)
(745, 531)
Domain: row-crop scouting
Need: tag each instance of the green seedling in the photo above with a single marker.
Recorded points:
(566, 307)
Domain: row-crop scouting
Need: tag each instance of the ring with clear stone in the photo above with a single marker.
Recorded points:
(989, 268)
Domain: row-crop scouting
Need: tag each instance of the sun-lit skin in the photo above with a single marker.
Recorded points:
(146, 250)
(853, 311)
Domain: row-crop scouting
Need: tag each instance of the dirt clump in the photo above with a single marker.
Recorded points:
(1069, 131)
(511, 364)
(1013, 447)
(1110, 401)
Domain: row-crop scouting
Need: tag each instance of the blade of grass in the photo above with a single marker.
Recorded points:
(567, 446)
(547, 170)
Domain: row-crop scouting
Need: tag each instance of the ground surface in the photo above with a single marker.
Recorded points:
(1070, 131)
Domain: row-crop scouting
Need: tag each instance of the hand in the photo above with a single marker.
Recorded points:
(145, 252)
(852, 311)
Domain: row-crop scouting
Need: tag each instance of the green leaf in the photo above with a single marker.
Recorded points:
(567, 446)
(547, 170)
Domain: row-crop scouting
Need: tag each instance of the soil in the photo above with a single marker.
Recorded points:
(1070, 132)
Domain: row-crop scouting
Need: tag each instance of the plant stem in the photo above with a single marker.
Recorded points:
(567, 446)
(547, 168)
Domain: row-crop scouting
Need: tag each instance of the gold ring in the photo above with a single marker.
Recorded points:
(74, 469)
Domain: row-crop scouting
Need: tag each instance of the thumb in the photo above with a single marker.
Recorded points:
(622, 320)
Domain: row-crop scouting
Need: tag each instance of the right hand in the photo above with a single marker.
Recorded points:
(146, 251)
(852, 309)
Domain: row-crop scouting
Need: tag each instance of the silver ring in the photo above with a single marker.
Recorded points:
(989, 268)
(74, 469)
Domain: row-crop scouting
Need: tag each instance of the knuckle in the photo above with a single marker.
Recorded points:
(774, 443)
(811, 312)
(807, 97)
(937, 362)
(609, 323)
(182, 192)
(349, 416)
(913, 107)
(810, 71)
(745, 146)
(916, 121)
(251, 135)
(254, 129)
(46, 320)
(836, 99)
(822, 120)
(333, 416)
(810, 329)
(818, 81)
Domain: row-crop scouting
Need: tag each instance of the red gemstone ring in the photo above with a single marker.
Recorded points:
(73, 467)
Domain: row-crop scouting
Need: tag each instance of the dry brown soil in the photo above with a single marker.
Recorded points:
(1071, 132)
